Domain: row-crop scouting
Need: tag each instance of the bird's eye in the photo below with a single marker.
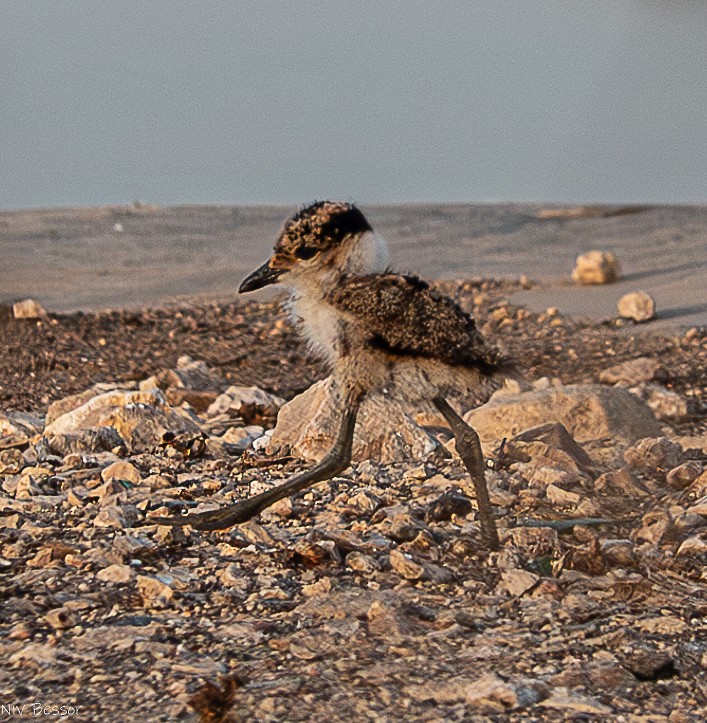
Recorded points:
(305, 252)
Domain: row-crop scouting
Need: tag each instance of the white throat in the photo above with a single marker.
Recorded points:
(366, 254)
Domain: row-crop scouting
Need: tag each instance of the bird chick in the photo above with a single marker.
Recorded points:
(377, 330)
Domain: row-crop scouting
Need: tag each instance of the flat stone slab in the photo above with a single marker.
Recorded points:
(589, 412)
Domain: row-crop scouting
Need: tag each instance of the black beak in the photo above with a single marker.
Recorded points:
(262, 276)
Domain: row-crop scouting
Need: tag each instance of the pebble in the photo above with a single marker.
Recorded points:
(361, 562)
(405, 566)
(618, 553)
(115, 573)
(28, 309)
(61, 618)
(654, 456)
(665, 403)
(699, 508)
(236, 400)
(318, 588)
(637, 305)
(692, 547)
(655, 527)
(154, 592)
(121, 471)
(633, 372)
(596, 267)
(684, 475)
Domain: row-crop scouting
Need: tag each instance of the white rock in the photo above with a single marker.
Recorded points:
(515, 581)
(683, 475)
(28, 309)
(620, 483)
(596, 267)
(115, 573)
(121, 471)
(486, 695)
(233, 435)
(385, 432)
(634, 371)
(654, 456)
(405, 566)
(74, 401)
(692, 547)
(699, 508)
(18, 426)
(665, 403)
(140, 418)
(154, 592)
(110, 516)
(318, 588)
(588, 411)
(27, 487)
(491, 693)
(638, 306)
(562, 498)
(38, 655)
(236, 397)
(260, 444)
(655, 527)
(360, 562)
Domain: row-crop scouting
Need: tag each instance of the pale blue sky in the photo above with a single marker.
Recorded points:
(281, 102)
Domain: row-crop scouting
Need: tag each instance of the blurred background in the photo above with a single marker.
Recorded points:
(277, 102)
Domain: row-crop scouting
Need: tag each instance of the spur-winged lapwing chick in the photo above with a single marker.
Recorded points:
(377, 330)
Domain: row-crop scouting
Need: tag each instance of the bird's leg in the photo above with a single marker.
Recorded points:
(469, 449)
(335, 461)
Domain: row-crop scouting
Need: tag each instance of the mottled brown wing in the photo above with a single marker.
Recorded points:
(402, 315)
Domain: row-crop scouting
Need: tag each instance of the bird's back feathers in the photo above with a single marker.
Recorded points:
(405, 317)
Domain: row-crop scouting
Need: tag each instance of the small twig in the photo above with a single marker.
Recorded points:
(228, 360)
(563, 525)
(249, 460)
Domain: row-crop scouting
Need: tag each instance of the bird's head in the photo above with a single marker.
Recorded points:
(319, 243)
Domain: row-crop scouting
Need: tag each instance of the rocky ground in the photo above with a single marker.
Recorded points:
(369, 596)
